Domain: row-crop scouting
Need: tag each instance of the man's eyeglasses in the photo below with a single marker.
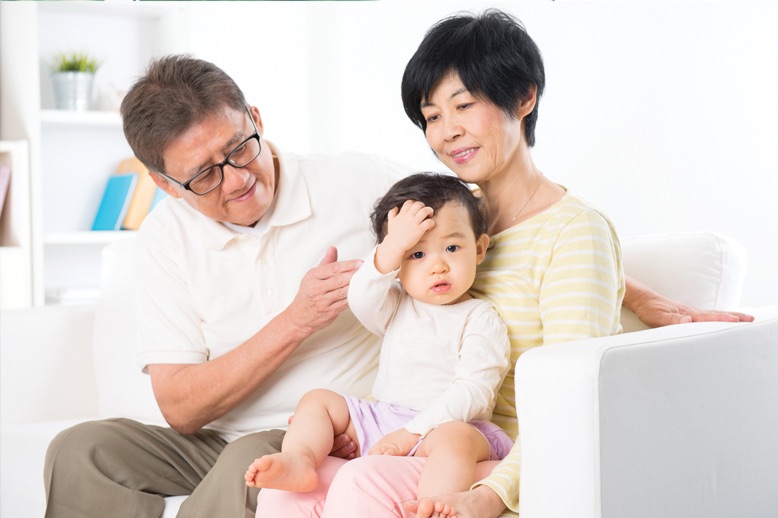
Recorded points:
(211, 177)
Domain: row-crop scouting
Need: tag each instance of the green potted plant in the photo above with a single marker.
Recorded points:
(73, 79)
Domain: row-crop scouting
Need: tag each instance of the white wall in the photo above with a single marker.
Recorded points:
(662, 113)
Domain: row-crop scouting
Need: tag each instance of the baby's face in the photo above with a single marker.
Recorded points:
(441, 267)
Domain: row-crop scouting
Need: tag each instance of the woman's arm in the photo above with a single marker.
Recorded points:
(655, 310)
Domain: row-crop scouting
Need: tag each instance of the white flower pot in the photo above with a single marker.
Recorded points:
(73, 90)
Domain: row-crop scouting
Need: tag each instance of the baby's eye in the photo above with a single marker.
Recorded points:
(452, 248)
(417, 255)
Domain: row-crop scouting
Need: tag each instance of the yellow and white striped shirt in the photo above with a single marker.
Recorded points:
(553, 278)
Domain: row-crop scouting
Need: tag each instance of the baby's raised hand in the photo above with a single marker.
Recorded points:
(405, 227)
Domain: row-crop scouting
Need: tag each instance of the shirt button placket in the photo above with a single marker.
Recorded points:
(269, 279)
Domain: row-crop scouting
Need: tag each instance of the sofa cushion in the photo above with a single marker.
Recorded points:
(702, 269)
(124, 391)
(22, 494)
(57, 382)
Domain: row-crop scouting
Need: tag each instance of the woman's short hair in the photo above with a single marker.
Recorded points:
(493, 55)
(176, 93)
(434, 190)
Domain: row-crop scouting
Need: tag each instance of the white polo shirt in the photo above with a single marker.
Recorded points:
(205, 288)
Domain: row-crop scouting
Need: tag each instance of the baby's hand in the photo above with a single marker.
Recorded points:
(409, 223)
(398, 443)
(405, 227)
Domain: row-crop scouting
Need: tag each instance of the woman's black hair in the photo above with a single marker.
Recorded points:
(493, 55)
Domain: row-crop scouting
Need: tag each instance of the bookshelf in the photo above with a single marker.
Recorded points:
(90, 119)
(71, 154)
(15, 229)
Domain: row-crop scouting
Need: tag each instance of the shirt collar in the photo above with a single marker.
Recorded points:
(291, 203)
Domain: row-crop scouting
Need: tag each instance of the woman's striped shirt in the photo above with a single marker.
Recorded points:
(553, 278)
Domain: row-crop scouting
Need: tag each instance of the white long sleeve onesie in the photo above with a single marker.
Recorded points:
(447, 362)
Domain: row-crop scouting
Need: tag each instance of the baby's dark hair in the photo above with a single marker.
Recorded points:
(433, 190)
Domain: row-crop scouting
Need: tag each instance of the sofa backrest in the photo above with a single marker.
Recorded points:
(124, 391)
(702, 269)
(45, 369)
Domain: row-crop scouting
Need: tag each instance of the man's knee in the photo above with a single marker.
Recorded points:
(82, 439)
(73, 449)
(244, 450)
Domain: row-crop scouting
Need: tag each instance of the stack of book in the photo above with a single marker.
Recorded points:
(129, 195)
(5, 181)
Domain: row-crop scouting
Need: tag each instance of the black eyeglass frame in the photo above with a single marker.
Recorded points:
(187, 184)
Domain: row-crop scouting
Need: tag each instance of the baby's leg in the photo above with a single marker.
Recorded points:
(452, 450)
(320, 415)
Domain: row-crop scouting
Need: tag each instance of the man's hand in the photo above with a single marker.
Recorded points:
(323, 293)
(405, 227)
(398, 443)
(655, 310)
(343, 447)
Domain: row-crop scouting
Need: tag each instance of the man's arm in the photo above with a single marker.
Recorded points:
(192, 395)
(655, 310)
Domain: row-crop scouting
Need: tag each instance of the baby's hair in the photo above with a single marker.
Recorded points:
(433, 190)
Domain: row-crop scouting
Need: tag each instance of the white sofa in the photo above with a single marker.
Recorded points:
(672, 422)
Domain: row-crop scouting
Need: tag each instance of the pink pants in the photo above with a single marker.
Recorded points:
(374, 486)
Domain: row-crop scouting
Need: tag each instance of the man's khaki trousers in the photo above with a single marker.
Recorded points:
(122, 468)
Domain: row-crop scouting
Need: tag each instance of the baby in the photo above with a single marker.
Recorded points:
(444, 353)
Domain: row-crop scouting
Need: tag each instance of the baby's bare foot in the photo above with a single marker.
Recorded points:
(426, 508)
(282, 471)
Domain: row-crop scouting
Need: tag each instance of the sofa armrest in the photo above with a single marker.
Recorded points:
(676, 421)
(46, 368)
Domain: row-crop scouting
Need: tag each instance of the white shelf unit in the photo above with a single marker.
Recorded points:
(15, 228)
(72, 154)
(67, 118)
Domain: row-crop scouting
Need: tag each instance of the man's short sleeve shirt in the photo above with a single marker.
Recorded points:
(204, 288)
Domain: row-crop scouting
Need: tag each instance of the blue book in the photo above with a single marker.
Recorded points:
(116, 200)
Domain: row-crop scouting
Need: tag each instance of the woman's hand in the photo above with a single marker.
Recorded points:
(481, 502)
(655, 310)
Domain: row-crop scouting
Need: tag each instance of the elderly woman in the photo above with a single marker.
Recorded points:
(553, 269)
